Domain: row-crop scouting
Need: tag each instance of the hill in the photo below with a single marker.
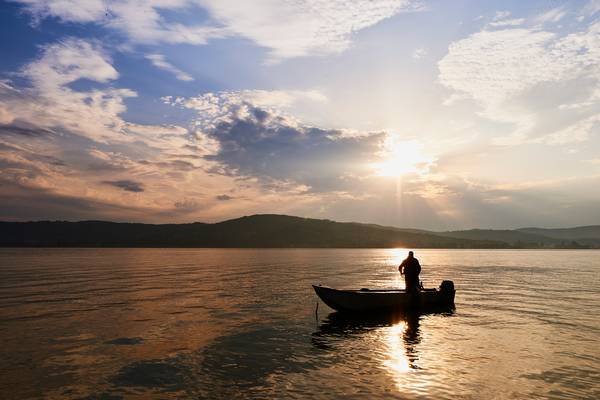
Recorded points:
(578, 237)
(514, 238)
(282, 231)
(253, 231)
(583, 235)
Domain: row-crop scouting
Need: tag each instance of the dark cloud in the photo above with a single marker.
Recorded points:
(24, 129)
(278, 150)
(127, 185)
(22, 203)
(176, 165)
(224, 197)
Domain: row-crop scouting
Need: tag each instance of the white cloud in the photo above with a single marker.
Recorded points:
(501, 15)
(158, 60)
(287, 29)
(493, 65)
(507, 22)
(67, 10)
(50, 102)
(419, 53)
(221, 106)
(141, 21)
(299, 28)
(553, 15)
(503, 69)
(69, 61)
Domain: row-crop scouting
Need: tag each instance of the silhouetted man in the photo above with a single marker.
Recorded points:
(411, 269)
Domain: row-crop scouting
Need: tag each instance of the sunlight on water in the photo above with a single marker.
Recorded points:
(397, 363)
(397, 255)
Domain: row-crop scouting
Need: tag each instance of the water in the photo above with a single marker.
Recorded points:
(215, 323)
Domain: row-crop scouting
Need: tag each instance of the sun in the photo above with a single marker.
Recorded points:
(401, 158)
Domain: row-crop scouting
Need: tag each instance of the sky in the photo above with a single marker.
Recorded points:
(426, 114)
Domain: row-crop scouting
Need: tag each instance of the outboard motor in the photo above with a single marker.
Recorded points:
(447, 286)
(447, 291)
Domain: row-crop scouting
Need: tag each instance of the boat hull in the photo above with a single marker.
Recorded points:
(386, 300)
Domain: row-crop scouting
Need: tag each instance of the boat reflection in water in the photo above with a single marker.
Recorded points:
(390, 339)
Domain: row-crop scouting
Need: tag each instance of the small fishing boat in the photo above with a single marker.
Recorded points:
(362, 300)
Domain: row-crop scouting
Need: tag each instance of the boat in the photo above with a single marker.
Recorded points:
(367, 300)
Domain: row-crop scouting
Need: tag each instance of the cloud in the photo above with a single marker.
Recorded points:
(507, 22)
(224, 197)
(50, 102)
(551, 16)
(71, 143)
(67, 10)
(501, 19)
(292, 29)
(158, 60)
(140, 21)
(68, 61)
(419, 53)
(265, 143)
(217, 107)
(500, 15)
(287, 29)
(6, 116)
(536, 80)
(62, 143)
(127, 185)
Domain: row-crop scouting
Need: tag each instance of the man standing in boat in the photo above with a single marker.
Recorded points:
(411, 269)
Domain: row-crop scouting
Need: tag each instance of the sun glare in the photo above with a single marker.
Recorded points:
(401, 158)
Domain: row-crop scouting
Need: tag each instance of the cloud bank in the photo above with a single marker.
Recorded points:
(505, 70)
(287, 29)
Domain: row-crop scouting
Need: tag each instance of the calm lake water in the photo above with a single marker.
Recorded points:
(216, 323)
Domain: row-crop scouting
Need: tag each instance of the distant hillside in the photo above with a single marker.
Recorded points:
(281, 231)
(512, 237)
(580, 232)
(253, 231)
(579, 237)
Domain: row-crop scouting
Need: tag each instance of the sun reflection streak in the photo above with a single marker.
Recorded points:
(398, 361)
(397, 255)
(401, 359)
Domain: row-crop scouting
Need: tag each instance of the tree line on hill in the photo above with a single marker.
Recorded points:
(282, 231)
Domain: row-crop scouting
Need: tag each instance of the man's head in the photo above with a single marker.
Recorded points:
(411, 254)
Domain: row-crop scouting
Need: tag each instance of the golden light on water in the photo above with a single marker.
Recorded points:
(397, 255)
(402, 357)
(398, 361)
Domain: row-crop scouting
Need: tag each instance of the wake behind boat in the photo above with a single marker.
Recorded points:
(362, 300)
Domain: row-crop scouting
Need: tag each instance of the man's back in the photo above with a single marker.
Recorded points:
(411, 269)
(411, 266)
